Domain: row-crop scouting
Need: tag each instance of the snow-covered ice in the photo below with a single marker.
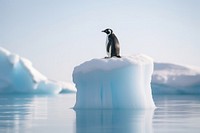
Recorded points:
(114, 83)
(17, 75)
(171, 78)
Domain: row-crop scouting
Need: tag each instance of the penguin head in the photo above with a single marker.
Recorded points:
(108, 31)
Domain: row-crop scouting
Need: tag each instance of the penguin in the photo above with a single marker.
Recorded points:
(112, 44)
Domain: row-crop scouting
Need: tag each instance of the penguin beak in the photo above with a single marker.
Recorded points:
(103, 31)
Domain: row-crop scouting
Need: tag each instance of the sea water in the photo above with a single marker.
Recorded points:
(54, 114)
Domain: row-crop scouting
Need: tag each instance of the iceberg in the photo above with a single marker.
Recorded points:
(67, 87)
(114, 83)
(169, 78)
(17, 75)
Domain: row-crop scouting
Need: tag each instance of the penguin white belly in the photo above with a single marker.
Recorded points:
(108, 53)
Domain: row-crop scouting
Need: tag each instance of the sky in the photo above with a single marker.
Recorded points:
(57, 35)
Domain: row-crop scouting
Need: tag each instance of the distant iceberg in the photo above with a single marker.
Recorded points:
(171, 78)
(67, 87)
(114, 83)
(17, 75)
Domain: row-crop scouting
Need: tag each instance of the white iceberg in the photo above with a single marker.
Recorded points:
(17, 75)
(171, 78)
(114, 83)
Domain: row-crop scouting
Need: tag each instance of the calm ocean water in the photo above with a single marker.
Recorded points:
(54, 114)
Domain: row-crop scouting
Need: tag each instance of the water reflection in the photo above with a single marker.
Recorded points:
(177, 114)
(18, 111)
(51, 114)
(114, 121)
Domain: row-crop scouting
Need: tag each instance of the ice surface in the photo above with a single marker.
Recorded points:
(114, 83)
(67, 87)
(171, 78)
(17, 75)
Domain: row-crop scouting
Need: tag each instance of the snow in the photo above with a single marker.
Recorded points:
(17, 75)
(171, 78)
(114, 83)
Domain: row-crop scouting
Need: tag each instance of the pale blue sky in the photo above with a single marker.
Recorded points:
(57, 35)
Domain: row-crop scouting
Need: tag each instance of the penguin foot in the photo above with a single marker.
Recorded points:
(118, 56)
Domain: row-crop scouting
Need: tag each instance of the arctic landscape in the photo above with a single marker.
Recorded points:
(117, 66)
(127, 94)
(18, 75)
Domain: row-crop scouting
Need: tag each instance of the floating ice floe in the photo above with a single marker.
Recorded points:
(17, 75)
(114, 83)
(171, 78)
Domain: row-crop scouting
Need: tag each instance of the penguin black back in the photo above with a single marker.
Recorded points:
(112, 44)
